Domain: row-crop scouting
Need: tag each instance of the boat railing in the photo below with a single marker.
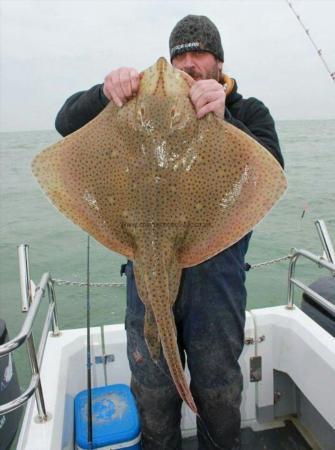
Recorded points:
(326, 241)
(327, 261)
(30, 304)
(324, 303)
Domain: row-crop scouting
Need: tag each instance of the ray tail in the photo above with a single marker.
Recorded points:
(160, 301)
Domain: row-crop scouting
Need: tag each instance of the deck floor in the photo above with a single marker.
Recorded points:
(284, 438)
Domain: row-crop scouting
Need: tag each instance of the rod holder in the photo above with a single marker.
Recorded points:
(24, 277)
(325, 240)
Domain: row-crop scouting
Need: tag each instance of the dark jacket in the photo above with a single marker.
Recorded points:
(250, 115)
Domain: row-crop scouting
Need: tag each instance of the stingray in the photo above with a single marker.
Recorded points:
(163, 188)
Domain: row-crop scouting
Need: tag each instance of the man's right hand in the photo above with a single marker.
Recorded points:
(121, 85)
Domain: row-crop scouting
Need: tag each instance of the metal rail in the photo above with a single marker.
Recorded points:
(326, 304)
(325, 240)
(25, 335)
(26, 294)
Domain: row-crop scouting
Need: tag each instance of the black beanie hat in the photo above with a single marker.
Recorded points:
(195, 33)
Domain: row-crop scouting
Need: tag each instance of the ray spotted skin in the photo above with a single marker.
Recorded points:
(163, 188)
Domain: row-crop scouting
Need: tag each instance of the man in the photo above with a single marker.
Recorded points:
(210, 308)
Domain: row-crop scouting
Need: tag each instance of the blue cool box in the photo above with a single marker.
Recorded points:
(115, 419)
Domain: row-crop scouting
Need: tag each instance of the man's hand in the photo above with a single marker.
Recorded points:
(208, 96)
(121, 85)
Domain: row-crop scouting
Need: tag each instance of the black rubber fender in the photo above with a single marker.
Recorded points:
(324, 286)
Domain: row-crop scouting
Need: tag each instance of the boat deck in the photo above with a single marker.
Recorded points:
(283, 438)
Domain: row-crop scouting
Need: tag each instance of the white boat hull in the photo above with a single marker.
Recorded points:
(292, 344)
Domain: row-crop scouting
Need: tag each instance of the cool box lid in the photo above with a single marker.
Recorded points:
(114, 416)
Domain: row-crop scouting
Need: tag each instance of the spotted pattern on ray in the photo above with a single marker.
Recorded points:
(166, 190)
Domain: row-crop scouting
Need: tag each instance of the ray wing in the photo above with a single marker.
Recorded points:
(231, 186)
(86, 177)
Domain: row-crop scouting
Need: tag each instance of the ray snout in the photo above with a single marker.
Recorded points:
(163, 69)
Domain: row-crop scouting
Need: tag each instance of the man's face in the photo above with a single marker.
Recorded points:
(199, 65)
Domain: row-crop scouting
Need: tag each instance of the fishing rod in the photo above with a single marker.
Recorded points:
(319, 50)
(88, 354)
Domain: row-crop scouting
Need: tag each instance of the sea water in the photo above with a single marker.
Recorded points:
(59, 247)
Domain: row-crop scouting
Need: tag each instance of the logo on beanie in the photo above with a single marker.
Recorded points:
(186, 47)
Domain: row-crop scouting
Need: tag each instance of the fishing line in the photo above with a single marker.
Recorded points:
(319, 50)
(205, 432)
(88, 354)
(204, 429)
(159, 364)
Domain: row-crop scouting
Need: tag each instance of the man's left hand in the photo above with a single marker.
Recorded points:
(208, 96)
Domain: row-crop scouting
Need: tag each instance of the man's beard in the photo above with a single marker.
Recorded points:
(213, 74)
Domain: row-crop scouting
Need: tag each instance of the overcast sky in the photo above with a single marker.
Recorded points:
(51, 49)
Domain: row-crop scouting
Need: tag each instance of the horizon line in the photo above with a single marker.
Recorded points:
(53, 129)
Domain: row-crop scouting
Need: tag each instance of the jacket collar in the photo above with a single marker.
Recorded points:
(230, 82)
(231, 93)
